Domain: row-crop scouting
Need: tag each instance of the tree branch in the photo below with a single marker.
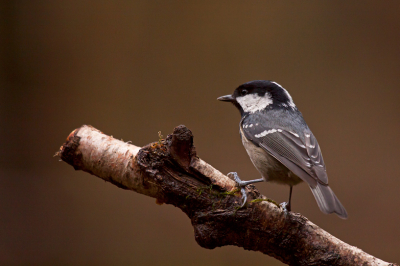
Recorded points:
(170, 171)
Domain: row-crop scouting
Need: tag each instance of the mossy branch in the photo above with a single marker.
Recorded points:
(170, 171)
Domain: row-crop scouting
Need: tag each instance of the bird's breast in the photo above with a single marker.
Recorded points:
(270, 168)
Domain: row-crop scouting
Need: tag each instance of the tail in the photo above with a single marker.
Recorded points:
(327, 201)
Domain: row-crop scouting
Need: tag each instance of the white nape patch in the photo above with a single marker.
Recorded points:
(294, 134)
(291, 103)
(252, 103)
(266, 132)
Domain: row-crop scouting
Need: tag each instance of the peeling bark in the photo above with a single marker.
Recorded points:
(170, 171)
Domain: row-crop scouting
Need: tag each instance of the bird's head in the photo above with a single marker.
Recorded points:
(259, 95)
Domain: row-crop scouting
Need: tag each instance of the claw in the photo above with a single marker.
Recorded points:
(243, 184)
(240, 184)
(234, 174)
(244, 196)
(285, 206)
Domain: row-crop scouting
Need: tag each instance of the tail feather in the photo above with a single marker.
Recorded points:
(327, 201)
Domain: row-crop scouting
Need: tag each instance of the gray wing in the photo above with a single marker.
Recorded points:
(299, 152)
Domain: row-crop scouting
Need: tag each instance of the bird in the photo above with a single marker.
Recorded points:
(280, 144)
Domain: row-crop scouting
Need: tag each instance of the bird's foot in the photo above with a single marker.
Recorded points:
(285, 206)
(236, 177)
(241, 184)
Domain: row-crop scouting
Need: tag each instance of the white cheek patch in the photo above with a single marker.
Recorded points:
(252, 103)
(290, 102)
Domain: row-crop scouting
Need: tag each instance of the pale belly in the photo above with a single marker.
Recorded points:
(270, 168)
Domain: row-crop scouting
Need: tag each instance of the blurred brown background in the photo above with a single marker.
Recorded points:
(133, 68)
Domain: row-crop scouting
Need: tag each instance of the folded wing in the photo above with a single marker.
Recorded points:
(301, 154)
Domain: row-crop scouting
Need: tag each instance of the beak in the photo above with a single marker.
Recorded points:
(226, 98)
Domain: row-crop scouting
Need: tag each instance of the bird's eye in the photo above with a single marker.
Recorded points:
(244, 92)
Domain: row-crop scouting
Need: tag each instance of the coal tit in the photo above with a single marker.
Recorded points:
(280, 144)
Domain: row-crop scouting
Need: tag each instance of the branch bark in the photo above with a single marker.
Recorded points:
(170, 171)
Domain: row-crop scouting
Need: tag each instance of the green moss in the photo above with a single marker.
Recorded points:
(229, 193)
(269, 200)
(236, 209)
(201, 189)
(216, 196)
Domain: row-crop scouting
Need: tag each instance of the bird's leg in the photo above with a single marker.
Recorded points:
(286, 205)
(242, 185)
